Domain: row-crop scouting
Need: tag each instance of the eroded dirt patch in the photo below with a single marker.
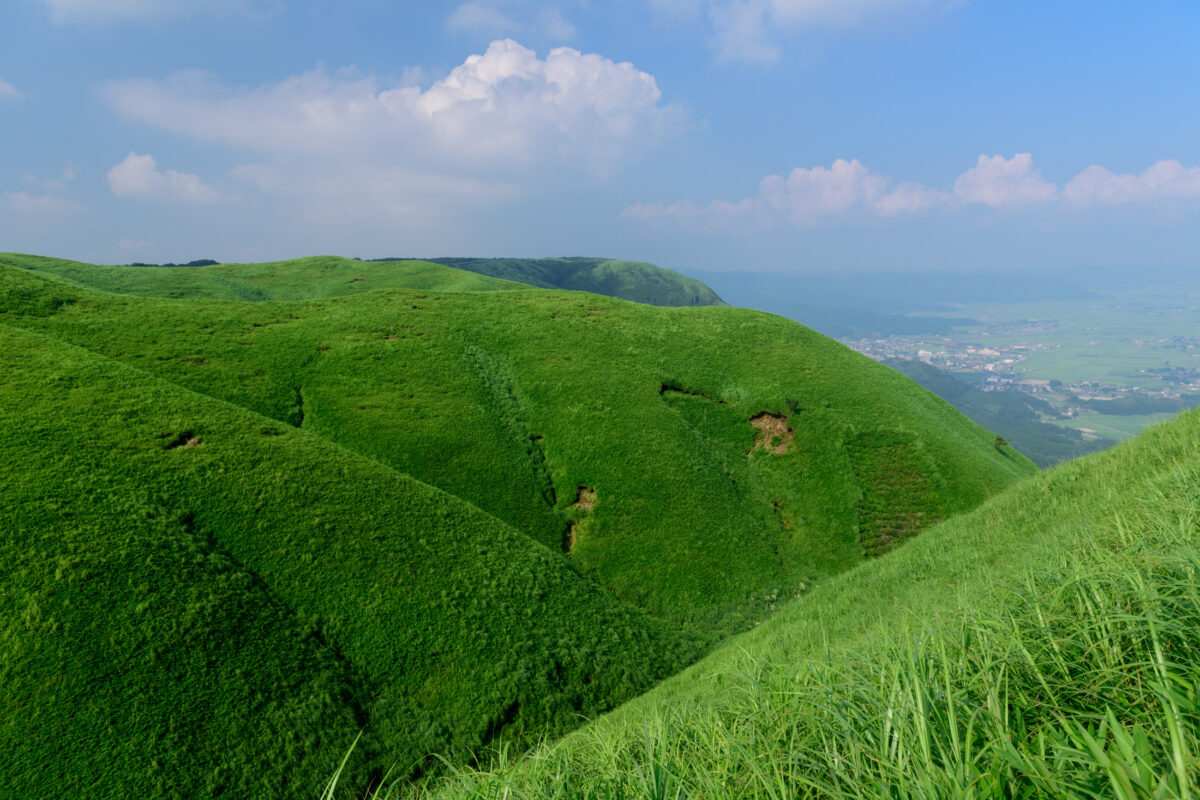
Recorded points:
(586, 499)
(774, 434)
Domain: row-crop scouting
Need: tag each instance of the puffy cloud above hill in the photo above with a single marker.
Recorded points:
(998, 181)
(335, 146)
(500, 112)
(139, 176)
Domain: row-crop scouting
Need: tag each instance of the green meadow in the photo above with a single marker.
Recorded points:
(1045, 644)
(250, 524)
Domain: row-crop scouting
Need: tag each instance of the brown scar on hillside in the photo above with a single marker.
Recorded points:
(586, 499)
(771, 427)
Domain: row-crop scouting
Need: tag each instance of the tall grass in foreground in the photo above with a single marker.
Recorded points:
(1081, 681)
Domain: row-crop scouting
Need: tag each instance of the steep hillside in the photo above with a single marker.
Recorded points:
(297, 279)
(1045, 644)
(1014, 415)
(628, 280)
(704, 464)
(199, 601)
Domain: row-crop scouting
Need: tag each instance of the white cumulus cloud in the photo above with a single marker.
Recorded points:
(500, 111)
(807, 196)
(139, 176)
(1004, 182)
(1164, 180)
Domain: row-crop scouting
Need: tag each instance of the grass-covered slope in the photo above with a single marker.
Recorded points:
(1017, 416)
(1046, 644)
(628, 280)
(702, 463)
(296, 279)
(199, 601)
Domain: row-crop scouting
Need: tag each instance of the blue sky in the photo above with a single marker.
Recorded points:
(781, 135)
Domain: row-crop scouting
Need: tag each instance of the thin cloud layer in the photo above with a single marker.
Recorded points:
(139, 176)
(754, 31)
(494, 18)
(7, 89)
(39, 204)
(84, 11)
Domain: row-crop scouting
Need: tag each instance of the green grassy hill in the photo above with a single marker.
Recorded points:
(332, 276)
(700, 463)
(1012, 414)
(1045, 644)
(296, 279)
(199, 601)
(628, 280)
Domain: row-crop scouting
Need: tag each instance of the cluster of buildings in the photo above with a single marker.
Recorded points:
(951, 355)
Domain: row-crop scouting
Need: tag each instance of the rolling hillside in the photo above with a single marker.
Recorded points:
(702, 464)
(199, 601)
(1043, 645)
(333, 276)
(296, 279)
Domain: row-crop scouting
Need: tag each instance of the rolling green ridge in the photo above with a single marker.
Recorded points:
(333, 276)
(198, 601)
(237, 531)
(1043, 645)
(524, 402)
(1012, 414)
(628, 280)
(296, 279)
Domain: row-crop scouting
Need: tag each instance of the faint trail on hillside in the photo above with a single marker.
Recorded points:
(498, 383)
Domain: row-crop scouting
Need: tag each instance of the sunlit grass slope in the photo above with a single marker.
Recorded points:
(296, 279)
(705, 464)
(628, 280)
(631, 437)
(199, 601)
(1046, 644)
